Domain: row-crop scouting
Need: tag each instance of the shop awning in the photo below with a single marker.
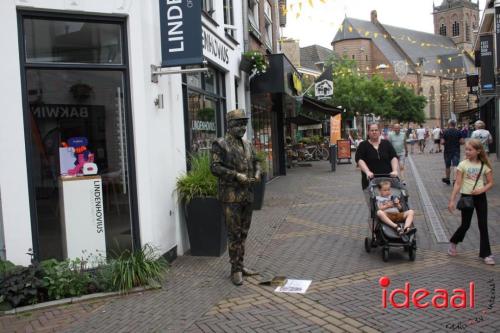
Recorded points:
(313, 105)
(303, 120)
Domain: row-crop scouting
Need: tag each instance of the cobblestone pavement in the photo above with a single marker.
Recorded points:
(312, 227)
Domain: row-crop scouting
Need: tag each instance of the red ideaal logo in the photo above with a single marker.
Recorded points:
(440, 298)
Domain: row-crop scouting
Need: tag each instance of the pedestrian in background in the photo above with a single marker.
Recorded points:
(452, 139)
(421, 136)
(436, 137)
(470, 182)
(465, 131)
(411, 138)
(398, 141)
(482, 135)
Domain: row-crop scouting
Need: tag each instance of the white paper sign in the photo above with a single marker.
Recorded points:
(67, 159)
(294, 286)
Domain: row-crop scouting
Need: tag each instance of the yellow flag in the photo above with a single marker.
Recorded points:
(311, 3)
(297, 83)
(350, 29)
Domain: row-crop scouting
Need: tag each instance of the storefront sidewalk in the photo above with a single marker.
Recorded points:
(312, 227)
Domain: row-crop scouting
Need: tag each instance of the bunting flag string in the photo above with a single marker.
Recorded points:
(297, 7)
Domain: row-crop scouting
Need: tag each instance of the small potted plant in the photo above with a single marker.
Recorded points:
(204, 217)
(254, 61)
(80, 91)
(259, 188)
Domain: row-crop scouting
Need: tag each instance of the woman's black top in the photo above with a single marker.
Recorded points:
(378, 161)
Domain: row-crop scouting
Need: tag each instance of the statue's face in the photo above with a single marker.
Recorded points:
(237, 127)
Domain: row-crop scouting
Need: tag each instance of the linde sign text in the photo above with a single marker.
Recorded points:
(180, 23)
(215, 46)
(175, 25)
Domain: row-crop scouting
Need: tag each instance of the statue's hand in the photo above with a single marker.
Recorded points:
(252, 180)
(242, 178)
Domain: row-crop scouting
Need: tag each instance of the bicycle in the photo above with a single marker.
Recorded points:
(317, 153)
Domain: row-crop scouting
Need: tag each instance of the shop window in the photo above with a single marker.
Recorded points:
(229, 26)
(67, 102)
(262, 133)
(205, 109)
(65, 41)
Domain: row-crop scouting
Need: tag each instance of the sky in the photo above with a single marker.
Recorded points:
(319, 24)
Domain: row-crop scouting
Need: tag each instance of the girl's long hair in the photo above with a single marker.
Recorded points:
(477, 145)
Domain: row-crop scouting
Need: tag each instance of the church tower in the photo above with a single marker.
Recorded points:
(459, 20)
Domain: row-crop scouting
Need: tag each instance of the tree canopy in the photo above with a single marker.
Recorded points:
(361, 94)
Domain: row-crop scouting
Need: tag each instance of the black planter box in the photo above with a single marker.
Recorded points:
(245, 65)
(206, 227)
(259, 190)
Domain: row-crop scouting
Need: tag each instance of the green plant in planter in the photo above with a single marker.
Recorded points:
(257, 60)
(262, 158)
(199, 181)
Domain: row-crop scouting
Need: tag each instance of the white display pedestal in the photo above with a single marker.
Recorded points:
(82, 216)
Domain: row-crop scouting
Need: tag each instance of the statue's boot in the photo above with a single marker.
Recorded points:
(237, 278)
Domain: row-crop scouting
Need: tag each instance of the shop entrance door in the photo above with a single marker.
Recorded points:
(75, 84)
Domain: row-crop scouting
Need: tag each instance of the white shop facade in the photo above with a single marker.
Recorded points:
(77, 83)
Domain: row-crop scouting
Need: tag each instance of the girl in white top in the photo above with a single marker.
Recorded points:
(474, 168)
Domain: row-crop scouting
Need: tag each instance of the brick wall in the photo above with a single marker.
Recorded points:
(291, 48)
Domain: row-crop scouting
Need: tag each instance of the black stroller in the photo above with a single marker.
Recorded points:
(380, 233)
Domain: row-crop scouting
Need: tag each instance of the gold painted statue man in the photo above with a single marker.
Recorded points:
(235, 165)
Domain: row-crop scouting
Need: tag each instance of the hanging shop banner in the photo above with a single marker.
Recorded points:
(335, 122)
(497, 31)
(487, 72)
(343, 149)
(180, 23)
(323, 89)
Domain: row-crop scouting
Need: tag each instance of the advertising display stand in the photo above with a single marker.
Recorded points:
(344, 151)
(82, 216)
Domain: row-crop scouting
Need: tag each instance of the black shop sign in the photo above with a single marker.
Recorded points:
(487, 67)
(180, 23)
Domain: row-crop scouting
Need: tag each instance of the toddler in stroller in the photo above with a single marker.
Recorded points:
(391, 217)
(390, 210)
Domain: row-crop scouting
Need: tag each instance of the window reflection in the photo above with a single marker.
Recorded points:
(72, 41)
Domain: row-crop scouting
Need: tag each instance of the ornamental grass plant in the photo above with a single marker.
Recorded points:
(199, 181)
(136, 268)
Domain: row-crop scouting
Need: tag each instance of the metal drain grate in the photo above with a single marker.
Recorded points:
(429, 211)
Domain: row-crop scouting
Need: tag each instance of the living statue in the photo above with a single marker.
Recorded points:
(235, 164)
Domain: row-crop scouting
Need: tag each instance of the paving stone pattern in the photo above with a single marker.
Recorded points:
(312, 227)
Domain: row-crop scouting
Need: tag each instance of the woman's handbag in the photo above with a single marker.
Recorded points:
(467, 203)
